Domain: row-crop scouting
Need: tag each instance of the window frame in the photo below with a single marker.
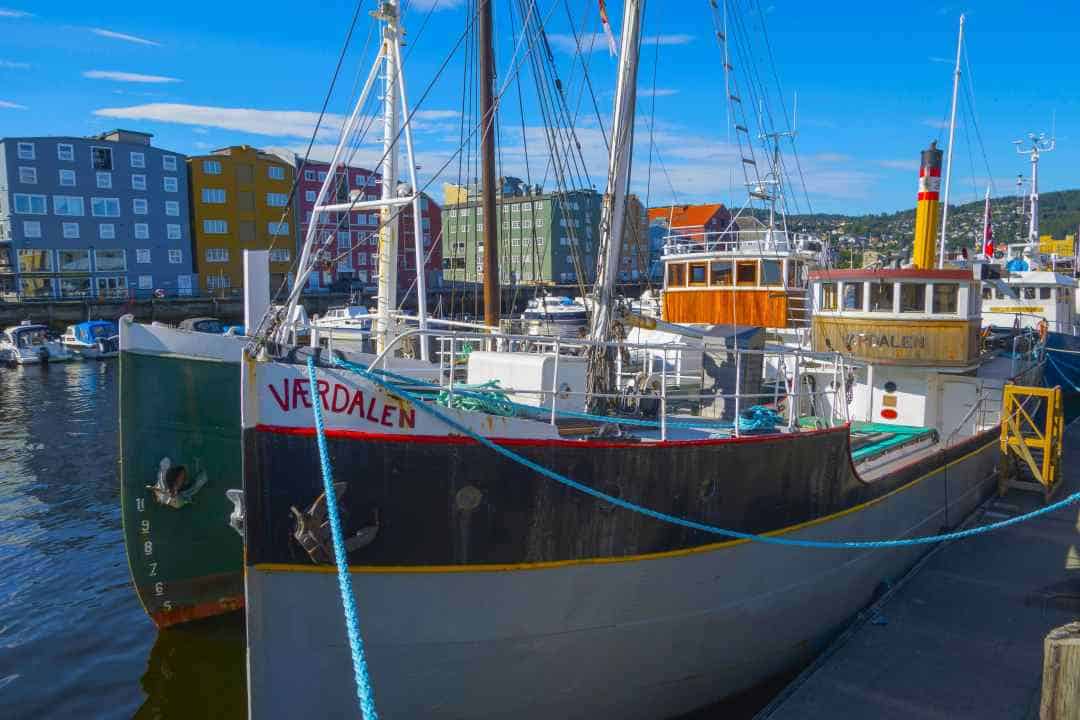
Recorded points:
(141, 164)
(168, 162)
(21, 148)
(739, 266)
(60, 155)
(94, 158)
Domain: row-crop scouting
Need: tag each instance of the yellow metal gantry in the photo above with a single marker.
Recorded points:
(1032, 424)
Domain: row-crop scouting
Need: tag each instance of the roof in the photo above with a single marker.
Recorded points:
(1039, 277)
(686, 215)
(892, 274)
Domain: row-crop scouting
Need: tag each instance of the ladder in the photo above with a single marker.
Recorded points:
(1032, 430)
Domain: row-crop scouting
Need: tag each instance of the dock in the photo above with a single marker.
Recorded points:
(961, 636)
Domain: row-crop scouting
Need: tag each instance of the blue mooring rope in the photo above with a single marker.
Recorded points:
(348, 600)
(655, 514)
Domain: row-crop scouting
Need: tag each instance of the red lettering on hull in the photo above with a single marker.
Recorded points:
(342, 400)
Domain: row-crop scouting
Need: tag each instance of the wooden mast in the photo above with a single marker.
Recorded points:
(487, 154)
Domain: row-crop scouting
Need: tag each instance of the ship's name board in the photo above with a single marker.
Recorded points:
(293, 394)
(880, 340)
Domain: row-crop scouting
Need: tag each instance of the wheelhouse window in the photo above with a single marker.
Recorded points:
(677, 275)
(853, 296)
(746, 273)
(881, 297)
(771, 272)
(698, 274)
(987, 292)
(912, 297)
(828, 296)
(1029, 293)
(1045, 293)
(721, 273)
(946, 297)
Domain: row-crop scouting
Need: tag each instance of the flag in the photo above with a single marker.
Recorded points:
(988, 229)
(612, 48)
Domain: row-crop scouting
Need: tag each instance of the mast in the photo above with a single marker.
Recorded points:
(490, 235)
(388, 234)
(1039, 144)
(600, 379)
(948, 159)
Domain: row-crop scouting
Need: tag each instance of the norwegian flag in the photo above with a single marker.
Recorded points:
(612, 48)
(988, 229)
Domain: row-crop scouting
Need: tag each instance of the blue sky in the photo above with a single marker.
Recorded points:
(873, 83)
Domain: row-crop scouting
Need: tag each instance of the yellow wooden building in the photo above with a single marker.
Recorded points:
(240, 201)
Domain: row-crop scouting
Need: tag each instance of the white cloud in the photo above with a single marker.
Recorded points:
(123, 36)
(9, 13)
(658, 92)
(909, 165)
(12, 106)
(12, 65)
(595, 42)
(128, 77)
(273, 123)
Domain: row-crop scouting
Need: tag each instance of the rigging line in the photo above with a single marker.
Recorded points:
(311, 142)
(587, 81)
(970, 150)
(969, 89)
(528, 173)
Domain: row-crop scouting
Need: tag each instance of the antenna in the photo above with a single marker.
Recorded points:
(1038, 144)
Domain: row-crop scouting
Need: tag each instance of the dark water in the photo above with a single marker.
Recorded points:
(74, 641)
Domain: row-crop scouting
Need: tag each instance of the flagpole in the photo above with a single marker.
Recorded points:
(987, 241)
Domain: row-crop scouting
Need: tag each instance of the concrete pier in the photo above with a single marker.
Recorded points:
(962, 636)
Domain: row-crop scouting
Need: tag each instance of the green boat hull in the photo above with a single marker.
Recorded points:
(186, 562)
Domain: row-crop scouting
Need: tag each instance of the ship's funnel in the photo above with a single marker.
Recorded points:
(926, 211)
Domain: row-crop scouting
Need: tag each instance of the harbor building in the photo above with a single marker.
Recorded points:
(635, 258)
(240, 201)
(691, 220)
(545, 238)
(100, 216)
(351, 240)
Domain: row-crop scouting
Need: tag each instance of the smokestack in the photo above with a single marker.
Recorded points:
(924, 254)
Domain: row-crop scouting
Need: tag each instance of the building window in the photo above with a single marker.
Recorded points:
(217, 255)
(67, 178)
(28, 175)
(213, 196)
(104, 180)
(277, 199)
(140, 206)
(105, 207)
(170, 184)
(70, 230)
(215, 227)
(945, 298)
(30, 204)
(881, 297)
(183, 282)
(31, 228)
(101, 158)
(309, 195)
(176, 256)
(168, 162)
(110, 260)
(146, 282)
(138, 182)
(107, 231)
(322, 176)
(309, 175)
(111, 286)
(25, 151)
(211, 167)
(68, 205)
(138, 160)
(279, 255)
(172, 208)
(278, 228)
(142, 231)
(275, 172)
(539, 222)
(142, 256)
(172, 232)
(65, 151)
(74, 260)
(218, 282)
(35, 261)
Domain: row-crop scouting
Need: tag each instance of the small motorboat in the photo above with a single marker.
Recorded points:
(29, 344)
(556, 315)
(213, 326)
(93, 339)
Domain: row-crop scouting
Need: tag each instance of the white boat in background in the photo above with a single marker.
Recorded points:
(556, 315)
(29, 344)
(348, 327)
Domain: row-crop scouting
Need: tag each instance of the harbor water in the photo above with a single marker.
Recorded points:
(74, 641)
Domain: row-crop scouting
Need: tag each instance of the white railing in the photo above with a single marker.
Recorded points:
(757, 242)
(665, 387)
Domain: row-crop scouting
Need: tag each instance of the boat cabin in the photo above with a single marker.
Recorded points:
(1025, 299)
(742, 277)
(26, 336)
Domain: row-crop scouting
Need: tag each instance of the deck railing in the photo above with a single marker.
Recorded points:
(758, 242)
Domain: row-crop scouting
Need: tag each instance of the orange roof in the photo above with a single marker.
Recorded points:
(685, 215)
